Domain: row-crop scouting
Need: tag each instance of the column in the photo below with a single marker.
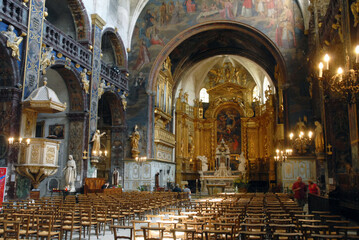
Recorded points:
(97, 24)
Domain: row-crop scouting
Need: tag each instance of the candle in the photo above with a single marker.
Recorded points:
(340, 73)
(357, 54)
(326, 60)
(310, 134)
(28, 141)
(291, 135)
(20, 140)
(321, 69)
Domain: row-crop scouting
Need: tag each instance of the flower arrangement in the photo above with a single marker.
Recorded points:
(240, 183)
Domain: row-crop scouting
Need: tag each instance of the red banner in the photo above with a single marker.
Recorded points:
(3, 171)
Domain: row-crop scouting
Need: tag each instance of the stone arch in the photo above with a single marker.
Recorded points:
(81, 20)
(74, 86)
(11, 68)
(241, 28)
(118, 47)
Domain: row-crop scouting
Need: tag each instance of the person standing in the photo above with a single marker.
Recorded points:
(313, 188)
(299, 188)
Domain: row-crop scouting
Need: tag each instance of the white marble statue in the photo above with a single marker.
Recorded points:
(70, 174)
(242, 163)
(204, 162)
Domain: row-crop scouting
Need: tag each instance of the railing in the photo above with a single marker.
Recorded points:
(55, 38)
(114, 76)
(15, 13)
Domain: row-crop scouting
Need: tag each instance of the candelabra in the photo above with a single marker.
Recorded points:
(302, 142)
(141, 160)
(282, 155)
(345, 82)
(96, 157)
(18, 143)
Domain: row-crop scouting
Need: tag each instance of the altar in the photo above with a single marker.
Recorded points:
(221, 180)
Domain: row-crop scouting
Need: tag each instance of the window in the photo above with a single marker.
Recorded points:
(265, 85)
(255, 93)
(203, 95)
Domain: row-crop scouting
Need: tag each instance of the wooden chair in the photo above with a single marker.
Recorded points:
(289, 236)
(11, 229)
(148, 233)
(87, 221)
(183, 233)
(69, 225)
(116, 227)
(327, 236)
(45, 227)
(137, 231)
(351, 232)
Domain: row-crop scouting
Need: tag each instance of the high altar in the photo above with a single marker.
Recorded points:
(230, 137)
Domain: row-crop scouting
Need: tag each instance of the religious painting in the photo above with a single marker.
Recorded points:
(57, 131)
(229, 129)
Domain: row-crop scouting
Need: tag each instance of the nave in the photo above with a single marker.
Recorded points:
(164, 215)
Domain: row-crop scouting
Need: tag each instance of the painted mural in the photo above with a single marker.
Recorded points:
(229, 129)
(160, 21)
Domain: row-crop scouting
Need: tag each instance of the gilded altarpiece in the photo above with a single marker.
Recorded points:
(247, 129)
(164, 139)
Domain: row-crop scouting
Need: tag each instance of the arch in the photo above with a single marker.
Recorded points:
(11, 62)
(241, 28)
(72, 79)
(220, 107)
(115, 106)
(119, 47)
(81, 20)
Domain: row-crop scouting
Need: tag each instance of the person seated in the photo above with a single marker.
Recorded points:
(177, 189)
(106, 185)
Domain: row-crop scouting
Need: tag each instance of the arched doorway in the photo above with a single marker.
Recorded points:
(68, 127)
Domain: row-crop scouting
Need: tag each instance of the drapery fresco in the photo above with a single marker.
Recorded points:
(229, 129)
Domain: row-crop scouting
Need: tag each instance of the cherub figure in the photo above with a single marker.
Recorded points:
(47, 59)
(13, 41)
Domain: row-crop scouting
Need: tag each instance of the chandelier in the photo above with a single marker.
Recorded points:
(302, 141)
(19, 143)
(345, 82)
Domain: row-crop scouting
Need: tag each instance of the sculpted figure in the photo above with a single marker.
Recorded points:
(124, 101)
(96, 139)
(47, 59)
(135, 138)
(318, 140)
(85, 82)
(70, 174)
(13, 41)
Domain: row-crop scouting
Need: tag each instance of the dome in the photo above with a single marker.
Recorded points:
(44, 100)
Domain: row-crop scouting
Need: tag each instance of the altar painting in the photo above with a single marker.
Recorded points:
(229, 129)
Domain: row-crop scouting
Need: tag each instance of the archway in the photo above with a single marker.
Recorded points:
(113, 49)
(112, 121)
(68, 127)
(71, 18)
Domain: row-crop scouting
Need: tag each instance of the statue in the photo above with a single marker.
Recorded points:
(47, 59)
(96, 139)
(204, 162)
(101, 89)
(70, 174)
(355, 10)
(135, 138)
(85, 82)
(115, 177)
(124, 101)
(13, 41)
(318, 140)
(300, 126)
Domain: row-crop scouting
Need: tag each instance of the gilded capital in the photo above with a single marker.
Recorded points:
(97, 20)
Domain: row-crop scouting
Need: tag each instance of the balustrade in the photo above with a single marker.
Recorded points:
(15, 13)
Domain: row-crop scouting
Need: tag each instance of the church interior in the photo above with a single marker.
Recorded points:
(226, 99)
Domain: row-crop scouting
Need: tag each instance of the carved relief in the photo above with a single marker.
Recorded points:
(47, 59)
(75, 146)
(50, 155)
(35, 154)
